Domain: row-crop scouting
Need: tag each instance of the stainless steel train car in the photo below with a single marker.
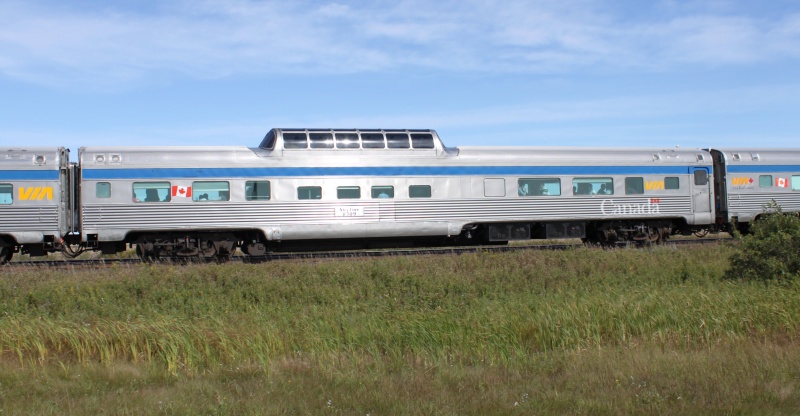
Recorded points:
(310, 189)
(749, 179)
(35, 200)
(351, 188)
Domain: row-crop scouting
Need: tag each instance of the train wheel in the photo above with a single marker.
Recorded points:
(5, 254)
(146, 256)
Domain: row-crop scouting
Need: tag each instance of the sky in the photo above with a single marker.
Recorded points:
(659, 73)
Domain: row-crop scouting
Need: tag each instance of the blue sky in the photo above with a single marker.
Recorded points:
(563, 72)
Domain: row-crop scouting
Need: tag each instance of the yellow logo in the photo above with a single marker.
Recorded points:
(654, 185)
(741, 181)
(35, 193)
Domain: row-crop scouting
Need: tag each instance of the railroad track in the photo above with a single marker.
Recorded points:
(327, 255)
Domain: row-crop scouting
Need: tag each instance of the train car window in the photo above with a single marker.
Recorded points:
(796, 183)
(103, 190)
(397, 141)
(634, 186)
(348, 192)
(269, 141)
(321, 140)
(419, 191)
(6, 194)
(765, 181)
(539, 187)
(672, 182)
(309, 192)
(372, 141)
(211, 191)
(151, 192)
(295, 141)
(346, 140)
(422, 140)
(593, 186)
(256, 191)
(700, 177)
(383, 191)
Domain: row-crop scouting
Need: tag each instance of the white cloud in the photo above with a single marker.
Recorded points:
(109, 47)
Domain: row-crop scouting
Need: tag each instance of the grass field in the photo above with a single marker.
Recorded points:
(585, 331)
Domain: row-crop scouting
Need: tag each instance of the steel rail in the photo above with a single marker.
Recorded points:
(327, 255)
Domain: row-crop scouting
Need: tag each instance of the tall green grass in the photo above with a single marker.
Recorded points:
(469, 309)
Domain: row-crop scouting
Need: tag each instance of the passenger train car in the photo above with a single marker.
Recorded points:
(307, 189)
(748, 179)
(35, 200)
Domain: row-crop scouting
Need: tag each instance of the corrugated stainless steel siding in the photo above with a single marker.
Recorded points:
(40, 218)
(747, 206)
(247, 215)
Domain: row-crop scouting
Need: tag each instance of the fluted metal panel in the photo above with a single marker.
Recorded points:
(251, 216)
(42, 218)
(748, 206)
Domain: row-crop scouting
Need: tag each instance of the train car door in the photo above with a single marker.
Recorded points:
(701, 195)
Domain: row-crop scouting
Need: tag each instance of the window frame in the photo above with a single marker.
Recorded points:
(10, 193)
(342, 192)
(412, 191)
(315, 197)
(105, 194)
(374, 191)
(152, 185)
(256, 196)
(668, 180)
(196, 195)
(633, 188)
(529, 186)
(592, 180)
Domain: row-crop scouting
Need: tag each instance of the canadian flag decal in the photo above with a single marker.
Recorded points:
(182, 191)
(781, 182)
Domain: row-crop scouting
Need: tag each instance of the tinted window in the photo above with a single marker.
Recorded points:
(634, 186)
(321, 140)
(539, 187)
(309, 192)
(419, 191)
(103, 190)
(294, 141)
(700, 177)
(256, 191)
(346, 141)
(796, 183)
(348, 192)
(765, 181)
(6, 194)
(593, 186)
(397, 140)
(672, 182)
(383, 191)
(269, 140)
(422, 140)
(151, 192)
(211, 191)
(372, 141)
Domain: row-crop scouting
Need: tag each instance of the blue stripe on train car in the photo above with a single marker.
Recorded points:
(763, 168)
(28, 175)
(255, 172)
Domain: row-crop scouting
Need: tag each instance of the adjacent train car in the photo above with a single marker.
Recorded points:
(305, 188)
(35, 200)
(748, 180)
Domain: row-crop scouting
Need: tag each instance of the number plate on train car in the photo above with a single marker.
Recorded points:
(349, 211)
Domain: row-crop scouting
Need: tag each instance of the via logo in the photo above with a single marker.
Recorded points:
(654, 185)
(36, 193)
(741, 181)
